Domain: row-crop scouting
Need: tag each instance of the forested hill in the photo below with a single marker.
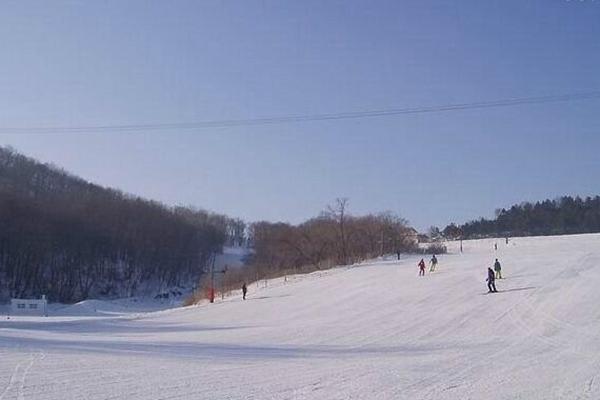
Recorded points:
(565, 215)
(70, 239)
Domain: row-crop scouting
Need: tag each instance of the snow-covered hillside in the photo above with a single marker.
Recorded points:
(232, 257)
(374, 331)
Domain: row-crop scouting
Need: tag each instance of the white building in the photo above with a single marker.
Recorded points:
(29, 306)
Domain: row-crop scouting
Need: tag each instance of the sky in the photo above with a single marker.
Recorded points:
(104, 63)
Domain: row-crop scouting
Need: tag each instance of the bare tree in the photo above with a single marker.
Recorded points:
(338, 212)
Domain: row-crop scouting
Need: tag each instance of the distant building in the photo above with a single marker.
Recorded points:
(29, 306)
(422, 238)
(412, 235)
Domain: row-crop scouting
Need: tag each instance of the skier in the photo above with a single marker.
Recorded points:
(433, 263)
(421, 267)
(244, 291)
(498, 269)
(496, 246)
(490, 280)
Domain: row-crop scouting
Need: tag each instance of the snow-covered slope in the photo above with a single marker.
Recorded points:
(232, 257)
(374, 331)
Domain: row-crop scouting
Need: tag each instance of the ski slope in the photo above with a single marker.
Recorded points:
(374, 331)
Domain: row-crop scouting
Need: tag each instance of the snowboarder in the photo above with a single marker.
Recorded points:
(244, 291)
(433, 263)
(498, 269)
(421, 267)
(490, 280)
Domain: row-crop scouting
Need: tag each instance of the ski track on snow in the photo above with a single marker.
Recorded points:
(17, 379)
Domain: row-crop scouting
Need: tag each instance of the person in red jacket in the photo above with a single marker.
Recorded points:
(421, 265)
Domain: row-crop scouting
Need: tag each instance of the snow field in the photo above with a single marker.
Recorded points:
(373, 331)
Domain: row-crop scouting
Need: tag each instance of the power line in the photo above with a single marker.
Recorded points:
(511, 102)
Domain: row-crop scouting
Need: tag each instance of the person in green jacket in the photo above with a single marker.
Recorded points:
(434, 262)
(498, 269)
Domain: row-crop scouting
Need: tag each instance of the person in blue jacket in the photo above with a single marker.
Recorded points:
(491, 281)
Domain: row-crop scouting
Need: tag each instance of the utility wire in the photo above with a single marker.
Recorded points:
(303, 118)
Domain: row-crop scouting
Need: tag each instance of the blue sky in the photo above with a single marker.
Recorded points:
(141, 62)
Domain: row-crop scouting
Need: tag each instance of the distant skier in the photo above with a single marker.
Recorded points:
(491, 281)
(421, 267)
(498, 269)
(496, 246)
(244, 291)
(433, 263)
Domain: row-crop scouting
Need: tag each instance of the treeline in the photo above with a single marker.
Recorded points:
(70, 239)
(333, 238)
(565, 215)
